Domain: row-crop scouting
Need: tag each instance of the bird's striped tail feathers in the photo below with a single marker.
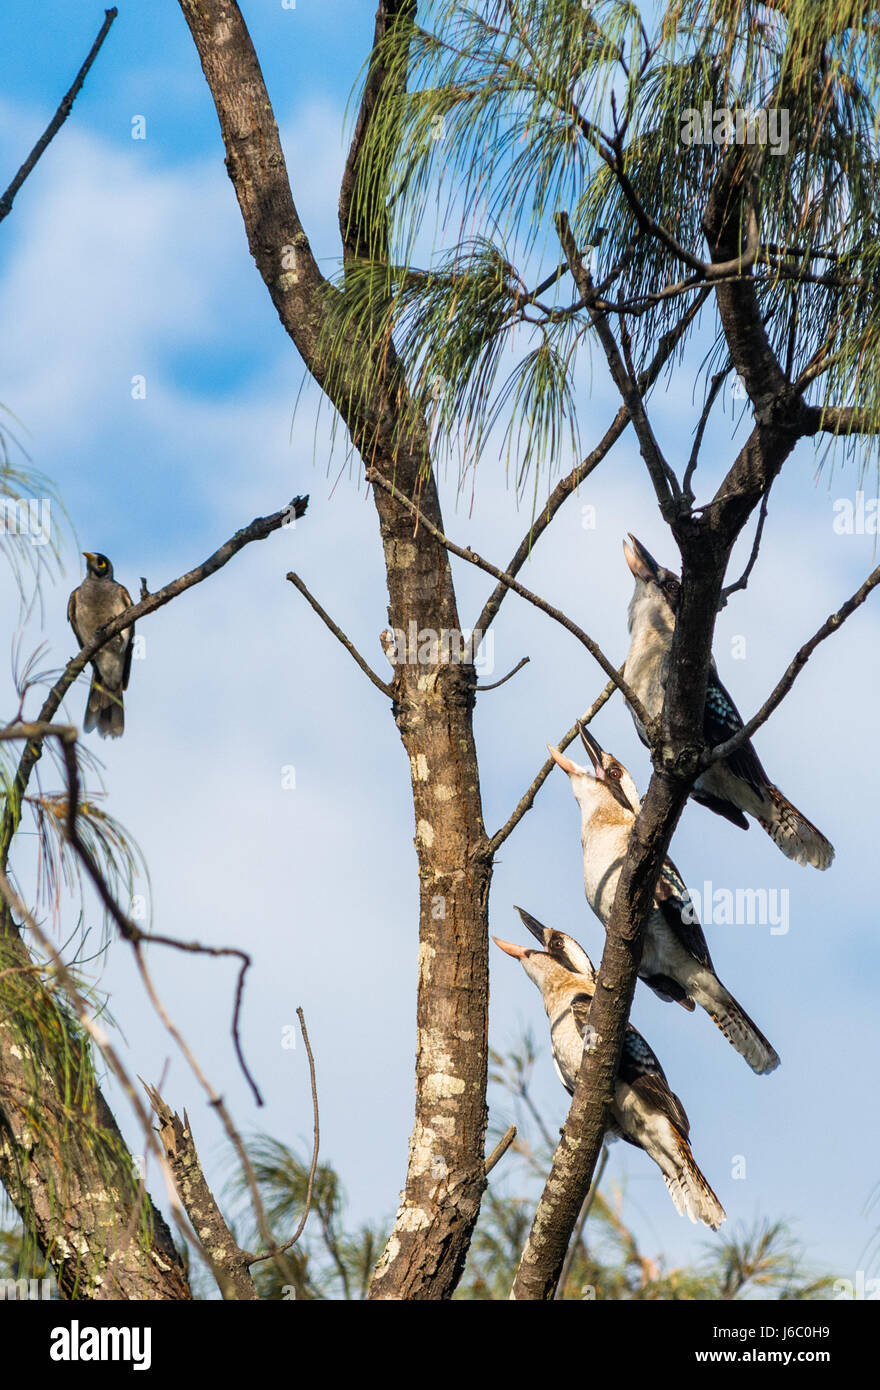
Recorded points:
(691, 1193)
(104, 711)
(797, 837)
(743, 1034)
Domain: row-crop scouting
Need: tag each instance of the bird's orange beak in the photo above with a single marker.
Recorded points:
(88, 554)
(518, 952)
(561, 760)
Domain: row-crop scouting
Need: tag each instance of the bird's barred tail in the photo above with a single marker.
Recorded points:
(797, 837)
(691, 1193)
(104, 711)
(741, 1032)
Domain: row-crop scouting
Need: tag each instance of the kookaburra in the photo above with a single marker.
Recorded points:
(646, 1112)
(738, 786)
(675, 957)
(97, 600)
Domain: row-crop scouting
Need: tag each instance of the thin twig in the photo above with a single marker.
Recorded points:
(527, 800)
(129, 929)
(714, 388)
(218, 1104)
(465, 553)
(743, 580)
(567, 485)
(500, 1149)
(137, 939)
(58, 119)
(255, 1259)
(795, 666)
(349, 646)
(504, 679)
(662, 476)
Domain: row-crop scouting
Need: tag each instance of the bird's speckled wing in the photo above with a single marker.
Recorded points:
(641, 1070)
(721, 720)
(674, 901)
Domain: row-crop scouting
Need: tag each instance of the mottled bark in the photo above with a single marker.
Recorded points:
(63, 1160)
(433, 700)
(229, 1263)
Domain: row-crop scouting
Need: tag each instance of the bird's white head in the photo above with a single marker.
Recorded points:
(656, 593)
(607, 788)
(563, 949)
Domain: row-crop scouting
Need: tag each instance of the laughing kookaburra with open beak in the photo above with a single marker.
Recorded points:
(738, 784)
(675, 957)
(646, 1113)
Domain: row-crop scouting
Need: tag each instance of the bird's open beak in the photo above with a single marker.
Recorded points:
(641, 561)
(89, 556)
(534, 926)
(518, 952)
(593, 749)
(565, 763)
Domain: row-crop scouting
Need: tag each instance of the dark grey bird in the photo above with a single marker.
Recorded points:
(646, 1112)
(99, 599)
(737, 786)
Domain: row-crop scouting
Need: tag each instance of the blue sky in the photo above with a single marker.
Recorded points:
(126, 257)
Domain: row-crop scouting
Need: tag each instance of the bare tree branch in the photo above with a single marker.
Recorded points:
(374, 476)
(793, 670)
(743, 580)
(316, 1144)
(258, 530)
(500, 1149)
(229, 1264)
(137, 938)
(340, 635)
(691, 468)
(527, 800)
(841, 419)
(662, 476)
(569, 484)
(494, 685)
(58, 119)
(67, 735)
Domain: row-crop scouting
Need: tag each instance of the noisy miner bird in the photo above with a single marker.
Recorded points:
(645, 1113)
(738, 784)
(97, 600)
(675, 957)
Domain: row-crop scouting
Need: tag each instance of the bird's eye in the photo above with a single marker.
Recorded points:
(557, 943)
(614, 771)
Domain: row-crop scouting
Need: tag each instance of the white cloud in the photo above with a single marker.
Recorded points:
(118, 265)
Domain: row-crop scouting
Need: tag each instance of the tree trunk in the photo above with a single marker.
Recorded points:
(63, 1160)
(433, 699)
